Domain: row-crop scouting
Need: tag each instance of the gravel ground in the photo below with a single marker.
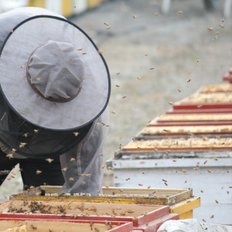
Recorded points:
(155, 59)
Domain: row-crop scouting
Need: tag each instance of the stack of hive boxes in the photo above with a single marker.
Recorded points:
(107, 212)
(188, 146)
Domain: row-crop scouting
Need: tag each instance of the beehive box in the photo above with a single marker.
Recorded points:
(214, 97)
(207, 172)
(26, 223)
(189, 146)
(85, 211)
(142, 218)
(112, 195)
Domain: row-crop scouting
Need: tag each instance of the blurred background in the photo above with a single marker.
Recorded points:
(158, 52)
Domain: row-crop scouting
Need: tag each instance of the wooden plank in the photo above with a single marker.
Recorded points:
(216, 88)
(180, 144)
(55, 218)
(185, 130)
(172, 196)
(185, 206)
(205, 98)
(154, 123)
(138, 214)
(158, 192)
(193, 117)
(45, 226)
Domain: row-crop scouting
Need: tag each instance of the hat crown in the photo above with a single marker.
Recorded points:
(55, 71)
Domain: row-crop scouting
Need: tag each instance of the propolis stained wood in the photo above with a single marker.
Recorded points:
(112, 195)
(216, 88)
(149, 196)
(181, 144)
(138, 214)
(193, 117)
(185, 130)
(178, 194)
(204, 98)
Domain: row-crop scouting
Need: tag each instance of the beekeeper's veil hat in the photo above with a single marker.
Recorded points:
(51, 73)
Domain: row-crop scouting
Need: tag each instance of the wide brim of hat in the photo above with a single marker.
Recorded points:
(18, 47)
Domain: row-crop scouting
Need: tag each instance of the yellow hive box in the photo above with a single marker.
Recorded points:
(94, 3)
(181, 201)
(63, 7)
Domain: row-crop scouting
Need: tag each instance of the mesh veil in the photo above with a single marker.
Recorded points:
(23, 138)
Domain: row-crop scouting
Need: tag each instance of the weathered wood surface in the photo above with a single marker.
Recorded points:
(181, 144)
(186, 130)
(45, 226)
(158, 192)
(204, 98)
(193, 117)
(167, 196)
(216, 88)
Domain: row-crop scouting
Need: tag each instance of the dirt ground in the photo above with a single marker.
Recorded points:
(155, 59)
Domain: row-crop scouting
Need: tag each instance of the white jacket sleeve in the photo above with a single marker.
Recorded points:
(82, 166)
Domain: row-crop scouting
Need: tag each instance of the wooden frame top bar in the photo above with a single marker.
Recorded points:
(186, 130)
(193, 117)
(215, 88)
(180, 144)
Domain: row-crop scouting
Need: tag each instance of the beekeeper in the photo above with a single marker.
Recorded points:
(55, 88)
